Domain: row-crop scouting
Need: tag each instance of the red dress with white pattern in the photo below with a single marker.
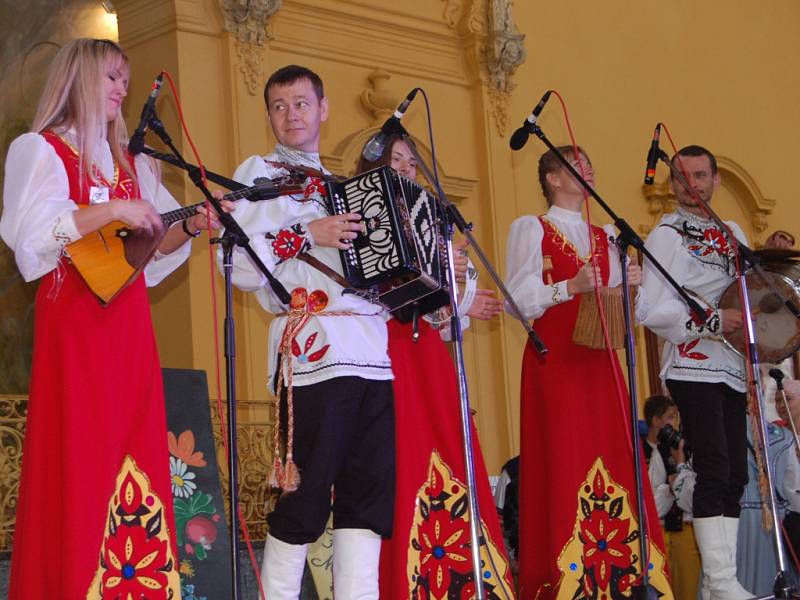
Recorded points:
(96, 397)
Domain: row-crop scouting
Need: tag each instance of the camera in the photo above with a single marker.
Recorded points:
(669, 436)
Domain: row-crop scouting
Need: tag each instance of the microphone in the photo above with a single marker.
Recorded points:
(375, 146)
(520, 136)
(136, 143)
(652, 157)
(777, 375)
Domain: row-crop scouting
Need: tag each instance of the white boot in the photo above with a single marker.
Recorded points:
(719, 563)
(356, 555)
(282, 569)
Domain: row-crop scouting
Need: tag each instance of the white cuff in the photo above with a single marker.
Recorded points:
(64, 229)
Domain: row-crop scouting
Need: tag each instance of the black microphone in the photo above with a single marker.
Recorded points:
(375, 146)
(778, 376)
(520, 136)
(136, 143)
(652, 157)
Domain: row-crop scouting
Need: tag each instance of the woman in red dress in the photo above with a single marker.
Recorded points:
(94, 518)
(428, 555)
(577, 505)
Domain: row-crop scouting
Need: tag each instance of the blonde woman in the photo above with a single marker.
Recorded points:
(95, 515)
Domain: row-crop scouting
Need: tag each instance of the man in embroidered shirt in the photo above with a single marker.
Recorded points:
(328, 362)
(703, 375)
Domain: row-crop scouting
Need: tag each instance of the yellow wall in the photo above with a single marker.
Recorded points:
(719, 73)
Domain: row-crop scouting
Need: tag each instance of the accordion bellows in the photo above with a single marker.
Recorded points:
(588, 330)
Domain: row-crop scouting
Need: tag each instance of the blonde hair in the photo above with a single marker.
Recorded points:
(74, 97)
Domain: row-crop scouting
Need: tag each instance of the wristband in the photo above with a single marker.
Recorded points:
(186, 230)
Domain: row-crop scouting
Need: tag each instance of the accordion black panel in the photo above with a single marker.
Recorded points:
(400, 252)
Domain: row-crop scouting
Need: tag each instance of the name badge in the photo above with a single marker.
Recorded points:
(98, 195)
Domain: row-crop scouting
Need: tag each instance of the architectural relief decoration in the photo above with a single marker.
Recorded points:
(737, 181)
(253, 439)
(247, 21)
(498, 48)
(12, 431)
(378, 99)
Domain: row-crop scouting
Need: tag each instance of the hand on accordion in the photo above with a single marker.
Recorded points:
(337, 231)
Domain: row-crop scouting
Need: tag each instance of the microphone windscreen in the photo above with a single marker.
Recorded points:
(519, 138)
(777, 375)
(374, 148)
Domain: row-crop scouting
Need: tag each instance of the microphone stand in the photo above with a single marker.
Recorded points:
(193, 170)
(782, 588)
(628, 237)
(452, 217)
(233, 236)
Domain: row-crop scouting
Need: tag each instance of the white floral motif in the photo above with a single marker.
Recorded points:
(182, 484)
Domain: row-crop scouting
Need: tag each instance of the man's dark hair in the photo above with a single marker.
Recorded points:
(656, 406)
(695, 150)
(549, 163)
(288, 75)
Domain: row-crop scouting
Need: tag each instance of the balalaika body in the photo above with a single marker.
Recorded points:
(400, 250)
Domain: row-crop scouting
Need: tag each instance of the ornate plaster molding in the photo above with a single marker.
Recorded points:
(661, 199)
(247, 21)
(498, 48)
(378, 99)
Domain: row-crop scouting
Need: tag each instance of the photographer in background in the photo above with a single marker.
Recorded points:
(672, 479)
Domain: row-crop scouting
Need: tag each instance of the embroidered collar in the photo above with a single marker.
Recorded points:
(700, 222)
(298, 157)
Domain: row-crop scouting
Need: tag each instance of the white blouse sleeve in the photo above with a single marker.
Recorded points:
(662, 494)
(524, 264)
(683, 486)
(659, 307)
(37, 220)
(154, 192)
(254, 219)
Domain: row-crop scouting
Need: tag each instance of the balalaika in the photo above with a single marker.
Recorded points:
(400, 250)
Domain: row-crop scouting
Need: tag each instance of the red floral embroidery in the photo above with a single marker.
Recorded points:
(684, 350)
(713, 241)
(315, 186)
(304, 357)
(287, 244)
(444, 548)
(604, 545)
(135, 564)
(311, 303)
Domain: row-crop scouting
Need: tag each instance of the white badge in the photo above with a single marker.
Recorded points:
(98, 195)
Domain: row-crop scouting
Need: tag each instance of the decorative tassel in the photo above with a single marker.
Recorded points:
(276, 475)
(547, 268)
(291, 475)
(588, 330)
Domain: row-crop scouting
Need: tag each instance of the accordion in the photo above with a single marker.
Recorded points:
(400, 251)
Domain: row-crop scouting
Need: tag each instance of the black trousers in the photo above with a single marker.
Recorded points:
(343, 439)
(714, 420)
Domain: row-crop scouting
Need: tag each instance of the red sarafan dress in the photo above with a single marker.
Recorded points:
(95, 516)
(578, 519)
(429, 553)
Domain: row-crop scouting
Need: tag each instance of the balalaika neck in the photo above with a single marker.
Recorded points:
(179, 214)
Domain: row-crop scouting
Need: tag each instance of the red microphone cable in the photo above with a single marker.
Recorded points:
(621, 395)
(215, 322)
